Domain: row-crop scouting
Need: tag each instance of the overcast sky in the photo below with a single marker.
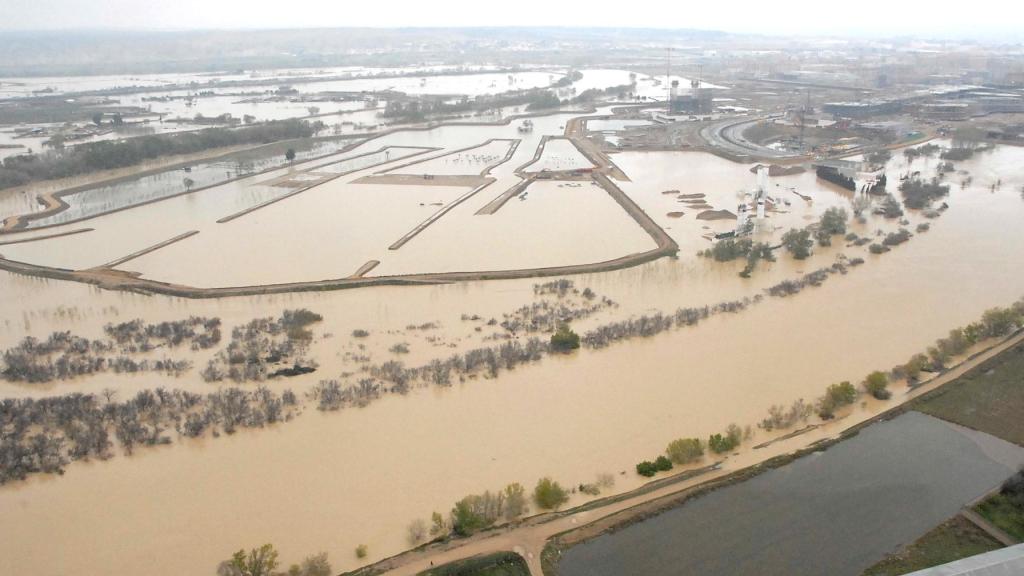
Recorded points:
(980, 19)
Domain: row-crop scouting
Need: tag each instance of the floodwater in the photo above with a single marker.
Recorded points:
(142, 189)
(725, 185)
(476, 160)
(831, 513)
(333, 481)
(347, 222)
(559, 154)
(611, 125)
(243, 94)
(469, 85)
(32, 86)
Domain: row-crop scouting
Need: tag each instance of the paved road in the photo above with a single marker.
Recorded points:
(727, 136)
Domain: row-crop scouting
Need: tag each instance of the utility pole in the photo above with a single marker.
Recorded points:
(803, 118)
(668, 80)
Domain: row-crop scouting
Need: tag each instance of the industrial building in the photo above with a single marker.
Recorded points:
(697, 100)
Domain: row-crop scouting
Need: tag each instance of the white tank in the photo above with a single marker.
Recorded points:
(762, 189)
(742, 216)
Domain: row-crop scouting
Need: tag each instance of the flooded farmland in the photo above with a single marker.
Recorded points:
(356, 486)
(879, 490)
(452, 282)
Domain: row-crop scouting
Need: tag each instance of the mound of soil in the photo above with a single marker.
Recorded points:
(716, 215)
(777, 170)
(675, 214)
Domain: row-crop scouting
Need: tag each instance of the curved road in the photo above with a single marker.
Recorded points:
(727, 136)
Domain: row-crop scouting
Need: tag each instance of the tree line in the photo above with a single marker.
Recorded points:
(44, 435)
(105, 155)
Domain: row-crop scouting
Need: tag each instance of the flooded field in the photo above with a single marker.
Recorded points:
(345, 98)
(147, 188)
(331, 481)
(835, 512)
(612, 125)
(472, 161)
(559, 154)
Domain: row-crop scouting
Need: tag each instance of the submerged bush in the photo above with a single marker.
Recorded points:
(564, 339)
(549, 495)
(685, 450)
(876, 384)
(836, 396)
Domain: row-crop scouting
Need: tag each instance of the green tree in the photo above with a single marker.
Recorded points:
(836, 396)
(289, 154)
(833, 221)
(260, 561)
(465, 519)
(515, 501)
(798, 243)
(316, 565)
(876, 384)
(647, 468)
(998, 321)
(438, 525)
(549, 495)
(729, 249)
(719, 443)
(564, 339)
(891, 207)
(685, 450)
(912, 369)
(362, 551)
(97, 118)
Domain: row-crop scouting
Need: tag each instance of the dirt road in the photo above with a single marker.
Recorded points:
(528, 537)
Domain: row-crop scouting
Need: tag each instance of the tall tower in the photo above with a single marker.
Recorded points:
(762, 190)
(668, 79)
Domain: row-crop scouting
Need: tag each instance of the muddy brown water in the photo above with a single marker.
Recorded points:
(831, 513)
(333, 481)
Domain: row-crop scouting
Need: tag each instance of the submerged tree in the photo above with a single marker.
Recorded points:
(876, 384)
(798, 243)
(564, 339)
(685, 450)
(549, 494)
(260, 561)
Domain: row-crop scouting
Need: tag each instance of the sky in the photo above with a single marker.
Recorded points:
(978, 19)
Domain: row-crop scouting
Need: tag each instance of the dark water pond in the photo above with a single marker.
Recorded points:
(831, 513)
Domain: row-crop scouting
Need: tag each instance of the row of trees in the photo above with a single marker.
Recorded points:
(263, 561)
(420, 109)
(478, 512)
(547, 315)
(684, 451)
(263, 342)
(994, 323)
(64, 355)
(94, 156)
(919, 193)
(651, 324)
(729, 249)
(43, 435)
(816, 278)
(137, 336)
